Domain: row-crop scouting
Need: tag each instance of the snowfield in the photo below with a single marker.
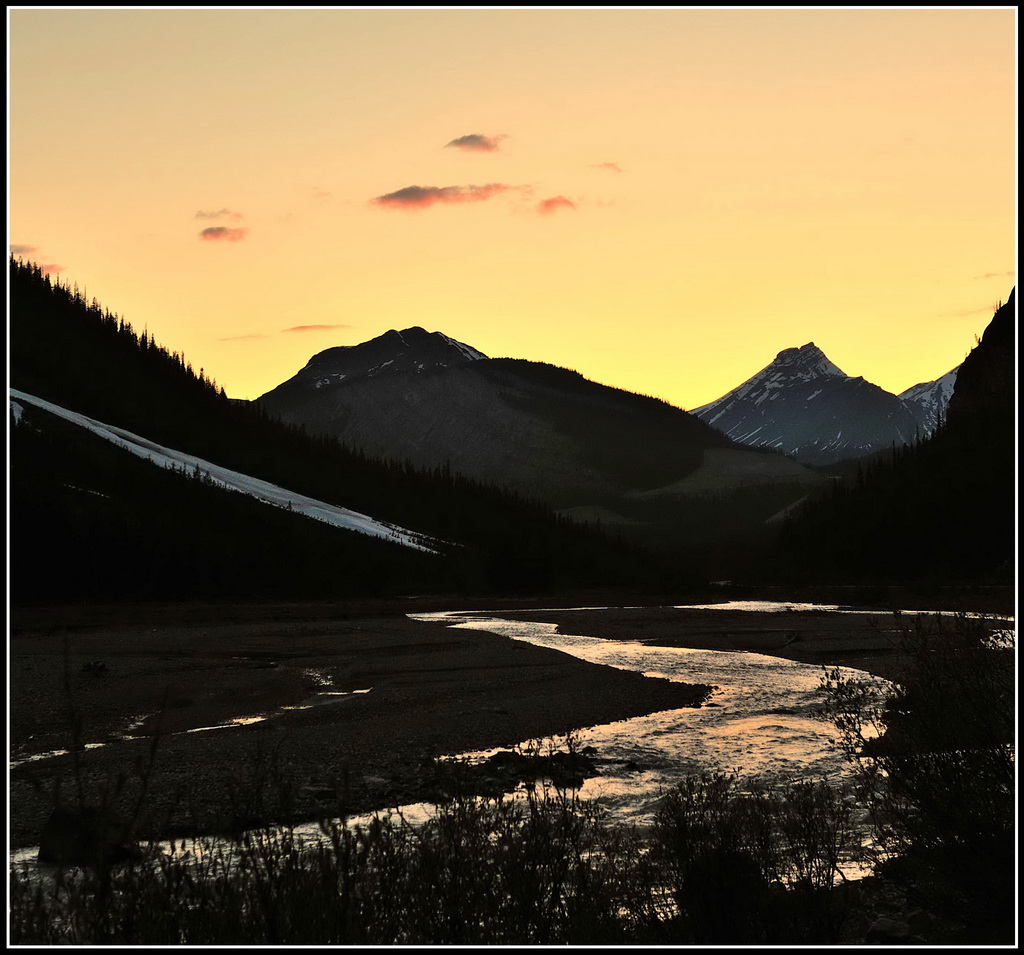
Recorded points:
(233, 480)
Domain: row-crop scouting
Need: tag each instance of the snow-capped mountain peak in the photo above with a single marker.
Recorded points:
(929, 399)
(943, 386)
(791, 365)
(807, 361)
(470, 353)
(804, 405)
(411, 350)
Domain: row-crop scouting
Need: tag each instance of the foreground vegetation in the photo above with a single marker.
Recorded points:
(720, 865)
(726, 862)
(935, 767)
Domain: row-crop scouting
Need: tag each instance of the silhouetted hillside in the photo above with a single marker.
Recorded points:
(90, 521)
(940, 509)
(618, 460)
(542, 430)
(87, 359)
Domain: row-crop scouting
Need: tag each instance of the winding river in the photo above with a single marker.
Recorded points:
(763, 720)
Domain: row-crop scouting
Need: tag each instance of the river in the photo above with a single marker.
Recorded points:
(763, 720)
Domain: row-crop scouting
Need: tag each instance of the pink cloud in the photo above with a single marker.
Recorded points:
(421, 197)
(548, 206)
(240, 338)
(51, 268)
(610, 166)
(221, 214)
(313, 328)
(996, 275)
(222, 233)
(477, 142)
(23, 249)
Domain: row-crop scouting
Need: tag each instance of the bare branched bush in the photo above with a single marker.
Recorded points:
(934, 761)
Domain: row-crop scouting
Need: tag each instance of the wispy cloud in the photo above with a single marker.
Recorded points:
(51, 268)
(477, 142)
(421, 197)
(548, 206)
(996, 275)
(221, 233)
(319, 193)
(313, 328)
(610, 166)
(968, 312)
(221, 214)
(23, 249)
(240, 338)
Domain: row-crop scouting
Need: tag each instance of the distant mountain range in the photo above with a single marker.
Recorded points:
(803, 405)
(585, 448)
(430, 436)
(930, 399)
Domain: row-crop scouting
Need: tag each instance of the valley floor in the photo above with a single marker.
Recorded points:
(169, 670)
(87, 675)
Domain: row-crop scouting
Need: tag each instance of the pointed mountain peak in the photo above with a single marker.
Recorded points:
(807, 361)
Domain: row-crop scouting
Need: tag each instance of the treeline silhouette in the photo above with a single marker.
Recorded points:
(84, 357)
(91, 521)
(941, 508)
(673, 443)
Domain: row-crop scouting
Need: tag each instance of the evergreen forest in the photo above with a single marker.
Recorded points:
(156, 535)
(940, 509)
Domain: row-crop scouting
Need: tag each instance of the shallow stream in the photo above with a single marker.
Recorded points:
(763, 720)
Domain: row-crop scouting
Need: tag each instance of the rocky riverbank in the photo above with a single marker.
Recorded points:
(356, 706)
(263, 712)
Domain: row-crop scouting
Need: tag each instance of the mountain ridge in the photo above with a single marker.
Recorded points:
(411, 349)
(105, 523)
(804, 405)
(941, 509)
(539, 426)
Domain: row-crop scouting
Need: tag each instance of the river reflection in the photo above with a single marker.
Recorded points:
(764, 719)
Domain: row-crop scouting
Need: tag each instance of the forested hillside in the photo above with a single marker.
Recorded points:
(83, 357)
(525, 425)
(940, 509)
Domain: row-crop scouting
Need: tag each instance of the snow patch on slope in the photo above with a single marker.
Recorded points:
(805, 363)
(235, 481)
(470, 353)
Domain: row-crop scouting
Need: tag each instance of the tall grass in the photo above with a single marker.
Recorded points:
(727, 861)
(545, 868)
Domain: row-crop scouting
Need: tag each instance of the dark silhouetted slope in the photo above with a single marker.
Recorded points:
(545, 431)
(940, 509)
(86, 359)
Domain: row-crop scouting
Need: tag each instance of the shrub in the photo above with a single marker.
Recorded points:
(934, 760)
(753, 866)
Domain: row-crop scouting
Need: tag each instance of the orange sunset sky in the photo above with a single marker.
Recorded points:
(660, 198)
